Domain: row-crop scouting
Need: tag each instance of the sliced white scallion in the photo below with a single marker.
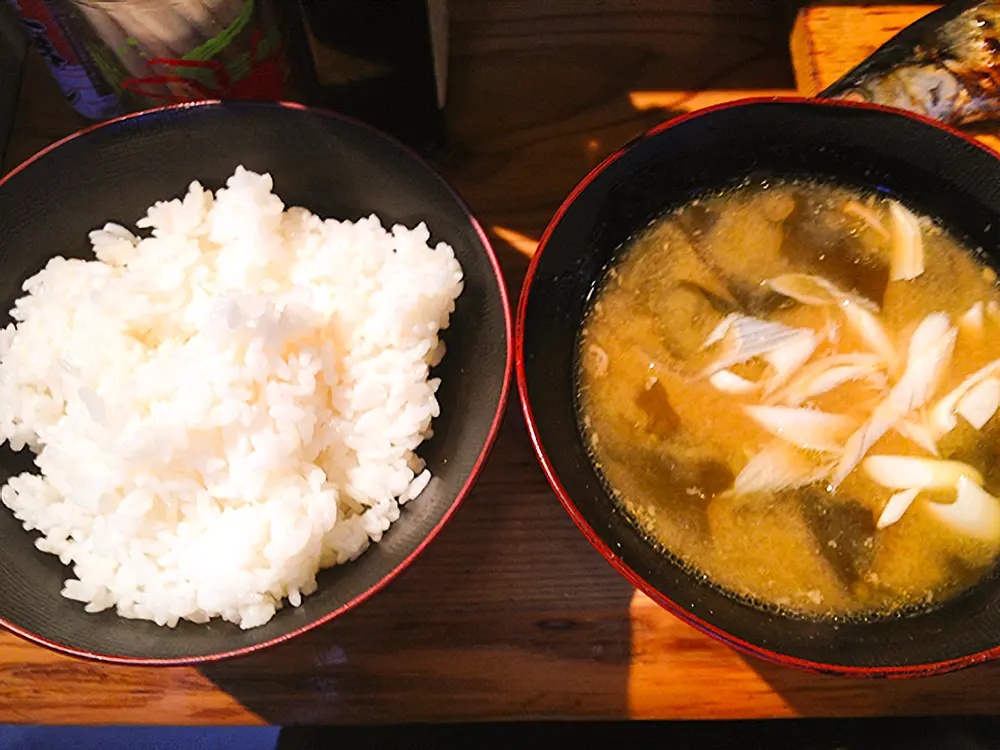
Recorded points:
(907, 244)
(807, 428)
(867, 215)
(720, 330)
(917, 432)
(831, 331)
(867, 326)
(858, 311)
(729, 382)
(898, 505)
(930, 351)
(741, 338)
(789, 357)
(908, 472)
(975, 512)
(942, 414)
(931, 347)
(778, 467)
(837, 376)
(979, 405)
(826, 374)
(815, 290)
(926, 335)
(879, 381)
(861, 441)
(805, 289)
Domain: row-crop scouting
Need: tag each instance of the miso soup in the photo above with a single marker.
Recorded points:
(791, 388)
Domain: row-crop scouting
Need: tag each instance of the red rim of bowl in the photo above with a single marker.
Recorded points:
(620, 565)
(462, 493)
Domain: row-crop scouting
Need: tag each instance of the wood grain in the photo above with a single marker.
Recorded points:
(830, 39)
(509, 613)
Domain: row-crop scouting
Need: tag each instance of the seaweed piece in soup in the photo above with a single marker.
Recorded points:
(693, 305)
(663, 479)
(844, 532)
(757, 226)
(820, 239)
(720, 304)
(661, 418)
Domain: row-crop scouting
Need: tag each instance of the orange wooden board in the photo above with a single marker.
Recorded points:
(828, 40)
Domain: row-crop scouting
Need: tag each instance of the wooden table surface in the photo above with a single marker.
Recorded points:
(509, 613)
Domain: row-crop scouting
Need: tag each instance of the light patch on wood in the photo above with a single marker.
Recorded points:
(520, 242)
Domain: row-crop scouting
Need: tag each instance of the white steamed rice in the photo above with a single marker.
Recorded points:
(225, 407)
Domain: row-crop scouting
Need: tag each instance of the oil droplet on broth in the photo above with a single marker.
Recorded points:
(669, 452)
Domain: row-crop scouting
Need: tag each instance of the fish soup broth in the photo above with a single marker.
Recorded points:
(791, 388)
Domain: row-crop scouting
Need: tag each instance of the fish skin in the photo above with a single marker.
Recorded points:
(946, 66)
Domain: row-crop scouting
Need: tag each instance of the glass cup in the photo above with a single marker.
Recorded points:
(144, 53)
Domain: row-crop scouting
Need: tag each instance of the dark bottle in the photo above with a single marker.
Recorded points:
(383, 61)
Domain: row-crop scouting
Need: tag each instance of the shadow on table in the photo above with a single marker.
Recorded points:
(508, 613)
(823, 695)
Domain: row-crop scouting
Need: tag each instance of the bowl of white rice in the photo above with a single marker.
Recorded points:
(252, 358)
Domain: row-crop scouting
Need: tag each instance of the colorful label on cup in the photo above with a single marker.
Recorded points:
(59, 54)
(257, 73)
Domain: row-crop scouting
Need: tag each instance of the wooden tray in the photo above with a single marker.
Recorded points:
(510, 613)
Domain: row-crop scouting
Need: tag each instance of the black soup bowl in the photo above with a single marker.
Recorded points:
(335, 167)
(940, 172)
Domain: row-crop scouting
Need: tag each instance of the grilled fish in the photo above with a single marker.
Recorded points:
(946, 66)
